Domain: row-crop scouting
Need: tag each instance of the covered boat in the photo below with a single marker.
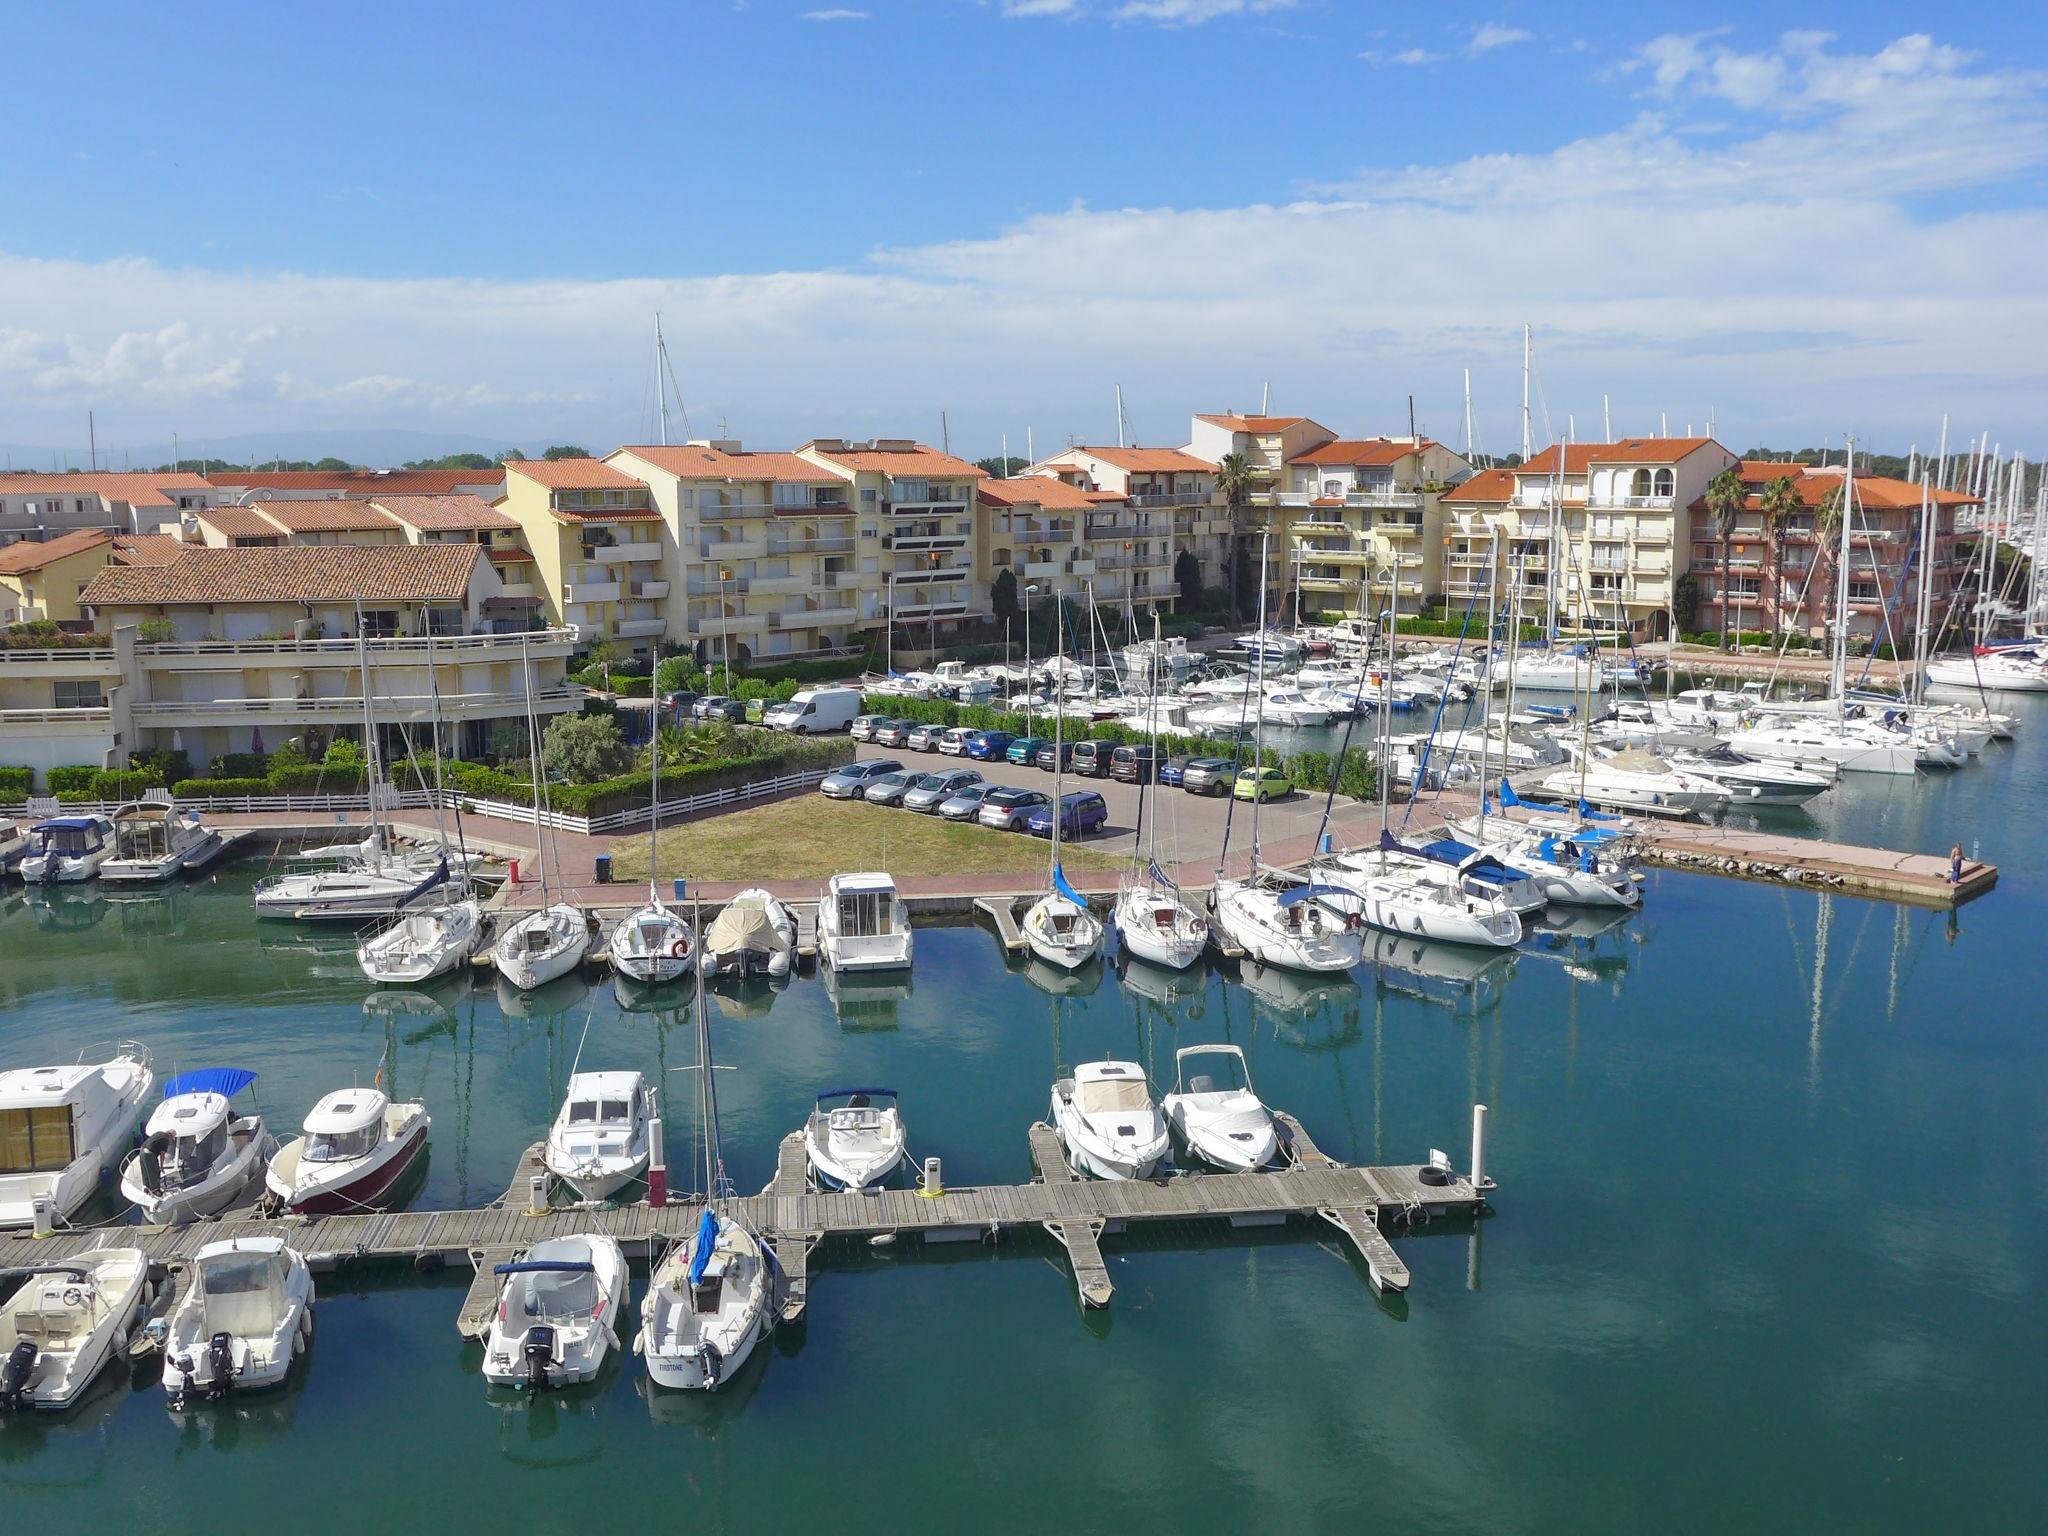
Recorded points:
(558, 1313)
(857, 1144)
(357, 1147)
(753, 935)
(198, 1153)
(65, 1322)
(65, 849)
(1107, 1120)
(246, 1315)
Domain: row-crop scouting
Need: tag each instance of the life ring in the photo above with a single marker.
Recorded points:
(678, 949)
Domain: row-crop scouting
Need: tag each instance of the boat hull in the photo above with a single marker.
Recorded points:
(367, 1188)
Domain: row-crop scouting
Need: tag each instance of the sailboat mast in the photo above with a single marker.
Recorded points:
(654, 799)
(1259, 684)
(369, 731)
(540, 838)
(1486, 680)
(1059, 638)
(661, 376)
(1839, 677)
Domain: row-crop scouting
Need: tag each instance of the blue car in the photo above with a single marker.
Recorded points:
(988, 746)
(1081, 812)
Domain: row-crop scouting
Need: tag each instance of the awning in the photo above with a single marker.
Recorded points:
(225, 1081)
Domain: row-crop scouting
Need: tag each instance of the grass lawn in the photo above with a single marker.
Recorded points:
(810, 837)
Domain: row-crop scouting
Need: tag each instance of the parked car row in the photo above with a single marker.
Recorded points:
(962, 794)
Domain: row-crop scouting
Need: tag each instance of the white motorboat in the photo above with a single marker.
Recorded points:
(66, 1322)
(357, 1148)
(558, 1313)
(1636, 781)
(753, 935)
(541, 946)
(1107, 1120)
(1704, 709)
(653, 944)
(706, 1307)
(1854, 746)
(64, 1128)
(246, 1314)
(1227, 1127)
(154, 841)
(1763, 780)
(1584, 871)
(198, 1154)
(857, 1144)
(424, 943)
(1402, 893)
(67, 849)
(863, 924)
(352, 894)
(14, 844)
(599, 1141)
(1289, 706)
(1154, 716)
(1290, 924)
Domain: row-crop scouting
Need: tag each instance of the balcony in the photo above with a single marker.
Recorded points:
(918, 543)
(832, 546)
(1632, 503)
(956, 507)
(1150, 499)
(591, 592)
(769, 586)
(636, 628)
(1037, 570)
(648, 590)
(834, 507)
(732, 549)
(1321, 526)
(807, 618)
(1079, 567)
(58, 661)
(953, 610)
(737, 587)
(216, 655)
(343, 707)
(625, 554)
(1095, 531)
(90, 715)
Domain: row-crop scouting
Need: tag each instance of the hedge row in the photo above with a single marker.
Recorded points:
(17, 783)
(209, 789)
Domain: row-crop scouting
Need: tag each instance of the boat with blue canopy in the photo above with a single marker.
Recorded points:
(558, 1313)
(200, 1152)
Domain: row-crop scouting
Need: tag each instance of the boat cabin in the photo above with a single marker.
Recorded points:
(344, 1125)
(47, 1114)
(244, 1290)
(71, 837)
(184, 1138)
(601, 1099)
(866, 905)
(552, 1290)
(1110, 1088)
(147, 832)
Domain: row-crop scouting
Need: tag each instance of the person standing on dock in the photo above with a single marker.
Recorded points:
(1955, 865)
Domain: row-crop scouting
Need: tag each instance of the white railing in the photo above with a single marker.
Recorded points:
(84, 714)
(57, 653)
(452, 647)
(349, 704)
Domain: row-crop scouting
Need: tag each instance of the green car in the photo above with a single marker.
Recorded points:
(1261, 784)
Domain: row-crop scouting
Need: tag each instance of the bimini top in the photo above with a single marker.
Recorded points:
(1296, 894)
(345, 1110)
(68, 824)
(225, 1081)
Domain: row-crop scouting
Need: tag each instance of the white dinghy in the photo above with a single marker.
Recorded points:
(753, 935)
(247, 1315)
(198, 1153)
(1107, 1120)
(558, 1315)
(599, 1141)
(1226, 1127)
(857, 1144)
(65, 1322)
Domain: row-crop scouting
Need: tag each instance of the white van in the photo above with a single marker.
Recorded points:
(815, 711)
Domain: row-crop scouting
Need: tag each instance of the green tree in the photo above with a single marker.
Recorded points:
(1725, 497)
(584, 749)
(1003, 468)
(1187, 573)
(1003, 596)
(1780, 503)
(513, 456)
(1685, 604)
(1234, 480)
(566, 451)
(333, 465)
(343, 753)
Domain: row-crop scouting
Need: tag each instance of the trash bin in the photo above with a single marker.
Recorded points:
(604, 869)
(679, 890)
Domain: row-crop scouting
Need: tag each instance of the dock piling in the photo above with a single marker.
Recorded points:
(1479, 1146)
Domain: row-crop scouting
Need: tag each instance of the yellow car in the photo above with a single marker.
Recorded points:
(1261, 784)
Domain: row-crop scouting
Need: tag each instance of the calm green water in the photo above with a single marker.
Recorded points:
(1769, 1249)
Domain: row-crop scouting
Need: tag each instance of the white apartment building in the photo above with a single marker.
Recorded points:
(1365, 519)
(43, 506)
(1171, 494)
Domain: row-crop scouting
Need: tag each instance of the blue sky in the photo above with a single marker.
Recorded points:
(461, 218)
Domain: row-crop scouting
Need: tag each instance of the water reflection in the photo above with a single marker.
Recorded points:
(867, 1003)
(1309, 1012)
(1057, 980)
(66, 908)
(1183, 990)
(748, 999)
(1591, 944)
(1461, 977)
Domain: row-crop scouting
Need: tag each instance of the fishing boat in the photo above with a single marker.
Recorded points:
(599, 1141)
(246, 1314)
(1059, 927)
(1227, 1127)
(857, 1144)
(357, 1148)
(558, 1313)
(863, 924)
(1107, 1121)
(198, 1152)
(67, 849)
(753, 935)
(652, 943)
(551, 941)
(66, 1322)
(153, 840)
(64, 1128)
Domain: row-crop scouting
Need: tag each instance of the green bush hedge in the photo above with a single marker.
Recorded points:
(320, 779)
(70, 778)
(116, 784)
(205, 789)
(17, 783)
(239, 765)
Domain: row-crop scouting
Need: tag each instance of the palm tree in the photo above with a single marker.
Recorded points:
(1725, 497)
(1234, 480)
(1781, 502)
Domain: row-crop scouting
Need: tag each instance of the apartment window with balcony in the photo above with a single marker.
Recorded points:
(444, 621)
(380, 623)
(79, 693)
(868, 495)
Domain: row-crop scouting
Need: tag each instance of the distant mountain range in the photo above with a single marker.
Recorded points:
(376, 448)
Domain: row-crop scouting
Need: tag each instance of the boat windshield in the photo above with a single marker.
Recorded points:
(242, 1274)
(339, 1146)
(1110, 1096)
(600, 1111)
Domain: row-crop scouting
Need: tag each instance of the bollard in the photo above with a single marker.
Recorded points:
(512, 871)
(43, 1225)
(1479, 1146)
(934, 1183)
(537, 1195)
(657, 1166)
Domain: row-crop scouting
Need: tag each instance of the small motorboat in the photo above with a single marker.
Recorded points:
(653, 944)
(542, 946)
(153, 840)
(754, 935)
(357, 1147)
(558, 1315)
(63, 1128)
(65, 1322)
(247, 1313)
(857, 1144)
(599, 1141)
(197, 1154)
(706, 1306)
(14, 844)
(424, 943)
(66, 849)
(1107, 1120)
(863, 924)
(1227, 1127)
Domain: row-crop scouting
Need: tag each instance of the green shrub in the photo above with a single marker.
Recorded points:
(170, 765)
(584, 749)
(70, 778)
(240, 765)
(17, 783)
(116, 784)
(203, 789)
(679, 674)
(343, 753)
(319, 779)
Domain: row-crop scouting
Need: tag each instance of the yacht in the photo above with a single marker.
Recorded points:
(198, 1152)
(1059, 927)
(558, 1313)
(67, 849)
(1107, 1120)
(1576, 871)
(1854, 746)
(154, 841)
(1295, 924)
(1636, 781)
(1289, 706)
(425, 943)
(863, 924)
(1227, 1127)
(352, 894)
(357, 1148)
(246, 1314)
(599, 1141)
(754, 935)
(1704, 709)
(1480, 874)
(1154, 922)
(66, 1323)
(653, 944)
(2017, 669)
(706, 1306)
(1764, 780)
(857, 1144)
(64, 1128)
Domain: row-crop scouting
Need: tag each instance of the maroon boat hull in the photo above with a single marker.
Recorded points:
(365, 1192)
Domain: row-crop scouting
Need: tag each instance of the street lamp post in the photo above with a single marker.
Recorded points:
(1028, 591)
(724, 629)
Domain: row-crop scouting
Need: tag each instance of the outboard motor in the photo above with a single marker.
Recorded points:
(14, 1374)
(49, 874)
(220, 1361)
(712, 1361)
(539, 1355)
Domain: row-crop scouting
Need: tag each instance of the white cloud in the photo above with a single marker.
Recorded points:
(1493, 35)
(1193, 13)
(1041, 7)
(836, 14)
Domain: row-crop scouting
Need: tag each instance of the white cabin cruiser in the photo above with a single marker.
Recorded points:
(63, 1128)
(1289, 706)
(351, 894)
(542, 946)
(154, 841)
(2017, 669)
(247, 1314)
(424, 943)
(599, 1141)
(1229, 1127)
(66, 849)
(857, 1144)
(863, 924)
(1636, 781)
(753, 935)
(653, 944)
(558, 1314)
(1854, 746)
(1107, 1120)
(197, 1154)
(1763, 780)
(14, 844)
(357, 1148)
(65, 1322)
(706, 1307)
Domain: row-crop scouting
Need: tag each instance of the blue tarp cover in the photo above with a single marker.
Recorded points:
(66, 824)
(707, 1239)
(546, 1266)
(225, 1081)
(1059, 883)
(1295, 895)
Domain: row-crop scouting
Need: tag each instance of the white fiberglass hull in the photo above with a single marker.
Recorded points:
(1097, 1148)
(1965, 674)
(249, 1146)
(1560, 884)
(1062, 933)
(1160, 927)
(545, 1351)
(259, 1336)
(541, 947)
(1227, 1139)
(62, 868)
(77, 1329)
(697, 1341)
(1320, 941)
(652, 945)
(1852, 753)
(1414, 903)
(854, 1162)
(423, 944)
(131, 1078)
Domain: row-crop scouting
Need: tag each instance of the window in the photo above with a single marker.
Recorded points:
(36, 1140)
(79, 693)
(583, 1112)
(444, 621)
(867, 494)
(380, 623)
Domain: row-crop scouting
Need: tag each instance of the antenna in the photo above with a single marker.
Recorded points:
(1606, 421)
(1412, 436)
(1265, 409)
(945, 435)
(1468, 413)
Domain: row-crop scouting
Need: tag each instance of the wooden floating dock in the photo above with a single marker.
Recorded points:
(1918, 878)
(1002, 911)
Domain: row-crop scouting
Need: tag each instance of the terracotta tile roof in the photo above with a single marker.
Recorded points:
(32, 555)
(355, 482)
(241, 523)
(308, 573)
(1628, 450)
(338, 516)
(694, 461)
(440, 514)
(1254, 423)
(1578, 457)
(573, 474)
(1148, 461)
(507, 556)
(137, 488)
(1487, 487)
(148, 548)
(606, 514)
(915, 459)
(1039, 491)
(1348, 453)
(1880, 493)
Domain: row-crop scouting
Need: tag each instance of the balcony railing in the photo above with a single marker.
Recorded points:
(1632, 503)
(834, 546)
(87, 714)
(380, 647)
(1114, 530)
(1171, 499)
(737, 586)
(420, 705)
(625, 554)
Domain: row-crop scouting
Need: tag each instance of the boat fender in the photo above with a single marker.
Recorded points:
(679, 948)
(1433, 1173)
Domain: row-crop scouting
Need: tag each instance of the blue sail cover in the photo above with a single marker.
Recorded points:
(1507, 793)
(1059, 883)
(225, 1081)
(1294, 895)
(707, 1239)
(1590, 814)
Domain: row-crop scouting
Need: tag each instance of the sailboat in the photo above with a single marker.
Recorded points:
(549, 943)
(707, 1301)
(653, 944)
(1153, 921)
(1059, 927)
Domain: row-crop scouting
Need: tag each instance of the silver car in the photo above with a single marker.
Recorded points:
(850, 782)
(934, 789)
(953, 741)
(889, 788)
(923, 738)
(966, 804)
